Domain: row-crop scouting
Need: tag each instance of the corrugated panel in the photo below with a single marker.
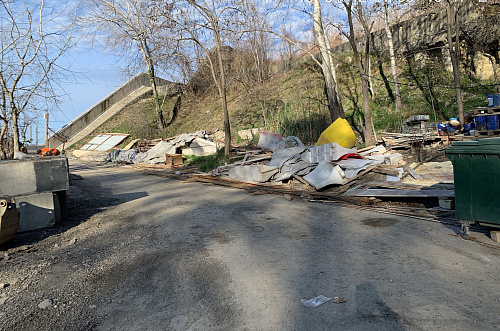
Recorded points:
(104, 141)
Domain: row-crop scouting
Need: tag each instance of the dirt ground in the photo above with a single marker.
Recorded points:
(141, 252)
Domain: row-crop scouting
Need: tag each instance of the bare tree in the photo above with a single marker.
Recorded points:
(327, 66)
(205, 23)
(392, 56)
(453, 30)
(256, 23)
(30, 46)
(128, 26)
(352, 13)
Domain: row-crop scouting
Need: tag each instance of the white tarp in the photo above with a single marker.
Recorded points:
(198, 141)
(352, 167)
(327, 152)
(268, 140)
(325, 174)
(252, 173)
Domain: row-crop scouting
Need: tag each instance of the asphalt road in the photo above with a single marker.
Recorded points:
(141, 252)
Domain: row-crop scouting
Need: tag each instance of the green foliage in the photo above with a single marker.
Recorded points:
(295, 103)
(207, 163)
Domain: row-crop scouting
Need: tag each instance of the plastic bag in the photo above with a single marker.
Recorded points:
(315, 302)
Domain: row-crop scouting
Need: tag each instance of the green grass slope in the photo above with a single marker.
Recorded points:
(294, 102)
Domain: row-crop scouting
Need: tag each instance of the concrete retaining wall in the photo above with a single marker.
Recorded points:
(417, 34)
(82, 121)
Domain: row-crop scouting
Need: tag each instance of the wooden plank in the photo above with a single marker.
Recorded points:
(386, 170)
(400, 193)
(300, 179)
(352, 182)
(262, 158)
(413, 173)
(366, 148)
(395, 185)
(154, 166)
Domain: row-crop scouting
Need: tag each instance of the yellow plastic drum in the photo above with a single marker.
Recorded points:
(339, 132)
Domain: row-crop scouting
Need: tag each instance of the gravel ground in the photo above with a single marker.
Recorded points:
(141, 252)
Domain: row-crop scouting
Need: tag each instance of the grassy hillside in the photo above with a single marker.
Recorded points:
(294, 102)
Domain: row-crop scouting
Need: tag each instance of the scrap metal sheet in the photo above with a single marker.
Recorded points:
(104, 142)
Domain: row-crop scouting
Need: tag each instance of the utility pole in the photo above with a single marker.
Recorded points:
(46, 116)
(36, 134)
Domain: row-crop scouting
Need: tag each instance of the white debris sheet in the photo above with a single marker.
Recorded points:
(325, 174)
(197, 143)
(318, 165)
(253, 173)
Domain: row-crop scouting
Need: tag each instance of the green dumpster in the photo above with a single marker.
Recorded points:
(476, 171)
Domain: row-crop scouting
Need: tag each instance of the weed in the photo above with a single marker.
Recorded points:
(209, 162)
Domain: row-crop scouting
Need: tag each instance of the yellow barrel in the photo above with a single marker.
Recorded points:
(339, 132)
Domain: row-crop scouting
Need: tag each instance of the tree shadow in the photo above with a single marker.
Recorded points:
(371, 309)
(307, 127)
(387, 84)
(429, 95)
(175, 110)
(81, 205)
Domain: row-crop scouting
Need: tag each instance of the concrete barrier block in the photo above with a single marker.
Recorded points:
(33, 175)
(36, 211)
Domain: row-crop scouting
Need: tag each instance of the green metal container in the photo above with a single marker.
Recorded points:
(476, 170)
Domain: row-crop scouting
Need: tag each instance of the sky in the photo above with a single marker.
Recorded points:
(98, 75)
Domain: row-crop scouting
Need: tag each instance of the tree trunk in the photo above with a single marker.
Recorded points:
(455, 55)
(334, 104)
(15, 130)
(367, 128)
(152, 81)
(223, 97)
(3, 148)
(397, 94)
(332, 68)
(370, 83)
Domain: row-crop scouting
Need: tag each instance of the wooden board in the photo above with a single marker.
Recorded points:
(9, 223)
(400, 193)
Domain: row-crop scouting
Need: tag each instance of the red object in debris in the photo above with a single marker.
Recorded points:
(49, 152)
(350, 156)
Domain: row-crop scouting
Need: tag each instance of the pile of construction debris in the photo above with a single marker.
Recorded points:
(199, 143)
(318, 166)
(336, 167)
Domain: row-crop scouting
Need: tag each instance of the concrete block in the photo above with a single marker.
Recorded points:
(495, 236)
(248, 134)
(33, 175)
(199, 151)
(93, 156)
(36, 211)
(395, 158)
(447, 203)
(201, 147)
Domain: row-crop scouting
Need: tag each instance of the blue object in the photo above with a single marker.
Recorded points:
(469, 126)
(480, 122)
(442, 127)
(494, 100)
(492, 122)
